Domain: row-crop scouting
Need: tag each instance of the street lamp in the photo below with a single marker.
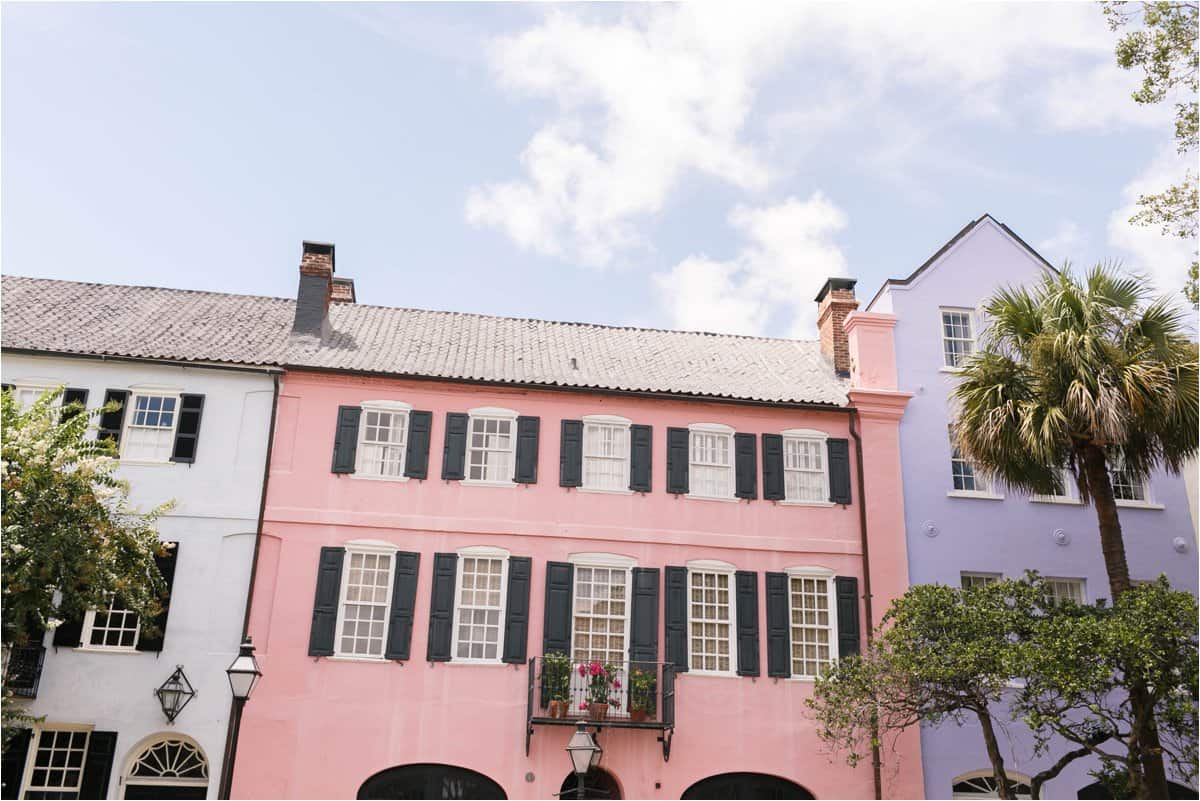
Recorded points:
(584, 753)
(243, 677)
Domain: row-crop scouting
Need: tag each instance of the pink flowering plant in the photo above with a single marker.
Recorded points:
(603, 686)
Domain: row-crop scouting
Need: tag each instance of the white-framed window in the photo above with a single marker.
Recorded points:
(114, 627)
(958, 336)
(1067, 589)
(711, 627)
(150, 421)
(970, 579)
(981, 784)
(606, 453)
(963, 475)
(365, 601)
(382, 439)
(165, 761)
(479, 604)
(805, 474)
(1064, 488)
(26, 393)
(1126, 486)
(600, 608)
(710, 460)
(54, 766)
(491, 445)
(813, 608)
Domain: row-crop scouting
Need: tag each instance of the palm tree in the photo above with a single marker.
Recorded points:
(1095, 376)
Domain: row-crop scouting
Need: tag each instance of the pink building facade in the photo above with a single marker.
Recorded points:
(427, 539)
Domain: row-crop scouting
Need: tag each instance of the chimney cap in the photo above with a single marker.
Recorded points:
(320, 249)
(836, 283)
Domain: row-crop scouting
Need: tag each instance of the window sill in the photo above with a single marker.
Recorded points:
(1055, 499)
(476, 663)
(375, 660)
(980, 496)
(397, 479)
(817, 504)
(93, 649)
(803, 679)
(689, 496)
(600, 491)
(147, 462)
(1139, 505)
(710, 674)
(953, 370)
(473, 482)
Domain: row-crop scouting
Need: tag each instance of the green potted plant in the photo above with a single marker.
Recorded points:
(643, 698)
(556, 682)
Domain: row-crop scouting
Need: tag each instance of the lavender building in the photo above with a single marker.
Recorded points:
(961, 530)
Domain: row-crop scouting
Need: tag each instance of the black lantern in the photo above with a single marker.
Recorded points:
(244, 673)
(585, 754)
(175, 693)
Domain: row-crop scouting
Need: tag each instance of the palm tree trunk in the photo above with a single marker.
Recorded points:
(1003, 789)
(1112, 544)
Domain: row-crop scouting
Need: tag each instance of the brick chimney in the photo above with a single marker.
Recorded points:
(315, 290)
(835, 301)
(343, 290)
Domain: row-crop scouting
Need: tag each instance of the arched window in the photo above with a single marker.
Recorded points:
(980, 784)
(745, 785)
(597, 783)
(167, 766)
(430, 781)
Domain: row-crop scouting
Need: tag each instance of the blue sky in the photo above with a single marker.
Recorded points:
(696, 166)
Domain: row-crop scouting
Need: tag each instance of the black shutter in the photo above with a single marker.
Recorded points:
(746, 466)
(166, 566)
(325, 604)
(404, 603)
(12, 765)
(643, 627)
(527, 450)
(773, 486)
(747, 622)
(97, 764)
(187, 433)
(454, 453)
(68, 633)
(516, 614)
(111, 422)
(416, 457)
(779, 637)
(675, 614)
(640, 440)
(847, 616)
(839, 470)
(345, 439)
(441, 607)
(677, 460)
(570, 454)
(556, 621)
(69, 397)
(7, 387)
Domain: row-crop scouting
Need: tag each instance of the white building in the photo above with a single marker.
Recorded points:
(198, 399)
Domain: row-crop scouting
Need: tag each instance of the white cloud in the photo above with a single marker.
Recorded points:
(1065, 243)
(1164, 259)
(788, 253)
(665, 91)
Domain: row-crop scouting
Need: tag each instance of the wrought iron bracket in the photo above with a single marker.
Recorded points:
(665, 739)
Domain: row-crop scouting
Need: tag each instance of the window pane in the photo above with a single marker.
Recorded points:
(605, 456)
(804, 474)
(479, 605)
(381, 443)
(711, 471)
(710, 619)
(811, 627)
(490, 456)
(365, 600)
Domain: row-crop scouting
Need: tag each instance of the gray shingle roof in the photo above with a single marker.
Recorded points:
(65, 316)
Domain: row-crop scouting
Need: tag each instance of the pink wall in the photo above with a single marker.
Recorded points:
(318, 728)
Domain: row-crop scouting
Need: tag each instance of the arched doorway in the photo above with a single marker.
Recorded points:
(597, 783)
(167, 766)
(980, 784)
(430, 781)
(745, 785)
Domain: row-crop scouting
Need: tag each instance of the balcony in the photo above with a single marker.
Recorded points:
(645, 698)
(23, 669)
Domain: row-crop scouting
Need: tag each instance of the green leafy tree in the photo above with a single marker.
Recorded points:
(1091, 374)
(70, 536)
(1160, 39)
(1078, 664)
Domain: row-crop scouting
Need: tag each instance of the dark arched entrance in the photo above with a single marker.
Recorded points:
(429, 781)
(745, 785)
(597, 783)
(1099, 790)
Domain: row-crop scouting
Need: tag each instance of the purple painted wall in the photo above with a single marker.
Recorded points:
(948, 535)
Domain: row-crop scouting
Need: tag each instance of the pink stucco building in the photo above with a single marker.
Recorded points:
(451, 497)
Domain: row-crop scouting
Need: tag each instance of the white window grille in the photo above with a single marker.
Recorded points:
(805, 477)
(58, 761)
(1126, 486)
(382, 440)
(963, 474)
(710, 621)
(1066, 589)
(479, 607)
(366, 599)
(601, 615)
(150, 427)
(26, 395)
(491, 447)
(115, 626)
(710, 469)
(1063, 487)
(972, 580)
(812, 624)
(170, 762)
(605, 455)
(958, 339)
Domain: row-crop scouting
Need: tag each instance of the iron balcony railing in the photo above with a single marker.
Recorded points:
(566, 692)
(23, 670)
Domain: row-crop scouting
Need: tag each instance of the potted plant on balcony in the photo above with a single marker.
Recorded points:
(643, 702)
(600, 685)
(556, 682)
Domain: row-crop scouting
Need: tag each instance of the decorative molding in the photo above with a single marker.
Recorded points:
(1061, 537)
(879, 404)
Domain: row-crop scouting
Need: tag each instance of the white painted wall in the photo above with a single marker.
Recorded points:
(214, 522)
